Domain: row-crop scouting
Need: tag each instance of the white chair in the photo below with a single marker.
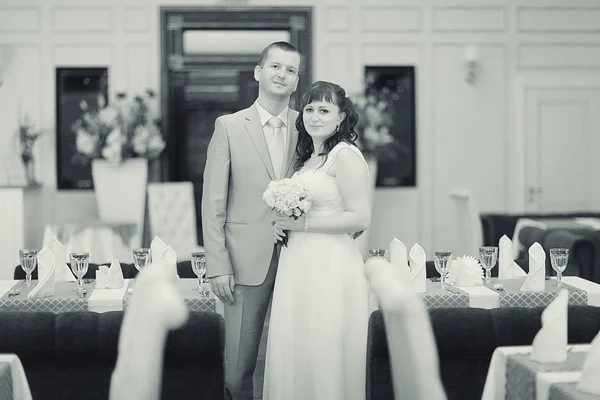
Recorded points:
(156, 307)
(469, 226)
(413, 352)
(172, 216)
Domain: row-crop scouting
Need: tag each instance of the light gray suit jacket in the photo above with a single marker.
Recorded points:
(236, 221)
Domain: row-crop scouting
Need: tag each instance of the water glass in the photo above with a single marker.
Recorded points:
(559, 258)
(442, 263)
(142, 257)
(79, 266)
(28, 259)
(488, 256)
(199, 268)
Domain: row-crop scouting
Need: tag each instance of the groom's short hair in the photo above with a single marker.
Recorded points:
(277, 45)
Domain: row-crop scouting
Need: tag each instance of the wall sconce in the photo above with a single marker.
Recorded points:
(472, 63)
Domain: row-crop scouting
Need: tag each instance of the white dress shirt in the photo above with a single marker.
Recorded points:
(265, 116)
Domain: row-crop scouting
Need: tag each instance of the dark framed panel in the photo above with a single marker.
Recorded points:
(399, 169)
(73, 85)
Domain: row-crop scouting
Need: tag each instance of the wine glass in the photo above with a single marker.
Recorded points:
(79, 266)
(488, 255)
(199, 268)
(379, 253)
(441, 262)
(559, 258)
(142, 257)
(28, 259)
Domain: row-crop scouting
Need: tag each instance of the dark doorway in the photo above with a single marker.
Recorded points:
(202, 79)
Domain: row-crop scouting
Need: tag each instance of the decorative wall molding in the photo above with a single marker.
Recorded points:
(82, 19)
(559, 55)
(390, 19)
(338, 63)
(549, 19)
(136, 19)
(468, 19)
(20, 19)
(337, 19)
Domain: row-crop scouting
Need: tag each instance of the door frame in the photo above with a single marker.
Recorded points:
(174, 20)
(517, 157)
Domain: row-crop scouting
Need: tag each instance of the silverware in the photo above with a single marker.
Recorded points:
(499, 288)
(14, 292)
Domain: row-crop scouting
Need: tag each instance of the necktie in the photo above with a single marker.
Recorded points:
(275, 145)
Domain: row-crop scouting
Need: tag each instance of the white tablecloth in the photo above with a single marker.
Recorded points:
(20, 385)
(495, 383)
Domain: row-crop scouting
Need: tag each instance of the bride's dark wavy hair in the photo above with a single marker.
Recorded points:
(330, 93)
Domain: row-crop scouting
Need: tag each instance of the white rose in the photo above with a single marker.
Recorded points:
(85, 143)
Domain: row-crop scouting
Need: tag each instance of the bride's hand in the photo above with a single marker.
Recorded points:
(290, 224)
(278, 233)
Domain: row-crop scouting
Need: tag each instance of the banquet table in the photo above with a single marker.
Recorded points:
(13, 297)
(581, 292)
(513, 375)
(13, 381)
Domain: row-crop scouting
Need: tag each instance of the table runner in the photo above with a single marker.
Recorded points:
(512, 296)
(568, 391)
(521, 373)
(65, 299)
(6, 382)
(192, 299)
(451, 297)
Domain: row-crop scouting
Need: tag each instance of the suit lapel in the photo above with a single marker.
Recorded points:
(292, 141)
(255, 131)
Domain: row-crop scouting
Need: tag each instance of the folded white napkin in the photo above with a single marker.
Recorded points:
(110, 277)
(590, 375)
(536, 278)
(507, 267)
(418, 272)
(159, 250)
(62, 271)
(399, 259)
(115, 275)
(550, 343)
(465, 271)
(46, 286)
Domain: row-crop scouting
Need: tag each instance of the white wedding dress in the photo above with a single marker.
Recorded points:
(316, 347)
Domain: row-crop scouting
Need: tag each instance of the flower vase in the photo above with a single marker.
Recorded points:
(120, 190)
(29, 167)
(363, 240)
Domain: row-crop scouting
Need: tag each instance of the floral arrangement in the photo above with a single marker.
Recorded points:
(465, 271)
(124, 129)
(27, 136)
(287, 197)
(375, 108)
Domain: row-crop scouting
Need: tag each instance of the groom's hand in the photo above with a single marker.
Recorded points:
(222, 286)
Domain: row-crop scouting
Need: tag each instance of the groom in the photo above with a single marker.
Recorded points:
(248, 149)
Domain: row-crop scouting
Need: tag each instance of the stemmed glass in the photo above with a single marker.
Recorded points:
(199, 268)
(379, 253)
(79, 266)
(559, 258)
(142, 257)
(441, 262)
(28, 258)
(488, 255)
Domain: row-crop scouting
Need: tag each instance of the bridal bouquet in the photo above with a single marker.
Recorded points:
(289, 198)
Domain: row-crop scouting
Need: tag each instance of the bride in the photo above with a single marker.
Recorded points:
(316, 346)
